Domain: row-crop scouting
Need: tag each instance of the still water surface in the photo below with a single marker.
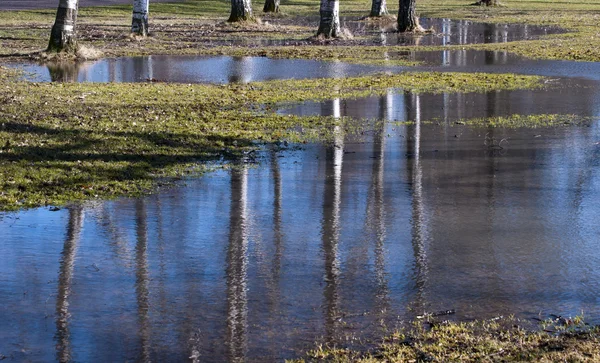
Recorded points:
(329, 243)
(322, 243)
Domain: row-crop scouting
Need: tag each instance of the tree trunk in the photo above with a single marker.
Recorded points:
(329, 26)
(63, 37)
(407, 17)
(139, 22)
(271, 6)
(241, 10)
(378, 8)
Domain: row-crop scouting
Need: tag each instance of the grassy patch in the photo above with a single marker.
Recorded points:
(499, 340)
(527, 121)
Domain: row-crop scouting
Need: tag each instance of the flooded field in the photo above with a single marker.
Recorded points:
(336, 243)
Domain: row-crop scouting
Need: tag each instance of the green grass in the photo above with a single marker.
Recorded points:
(498, 340)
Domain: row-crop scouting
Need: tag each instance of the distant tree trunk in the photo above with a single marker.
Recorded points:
(378, 8)
(271, 6)
(139, 22)
(241, 10)
(488, 2)
(329, 27)
(63, 37)
(407, 17)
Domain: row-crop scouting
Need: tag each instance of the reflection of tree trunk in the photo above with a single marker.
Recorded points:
(407, 17)
(418, 222)
(271, 6)
(63, 36)
(242, 70)
(329, 26)
(378, 8)
(65, 281)
(139, 22)
(237, 266)
(63, 72)
(142, 277)
(277, 217)
(241, 10)
(331, 227)
(488, 2)
(376, 213)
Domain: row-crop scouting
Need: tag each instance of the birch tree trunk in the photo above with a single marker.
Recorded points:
(407, 17)
(139, 22)
(329, 26)
(63, 37)
(378, 8)
(241, 10)
(271, 6)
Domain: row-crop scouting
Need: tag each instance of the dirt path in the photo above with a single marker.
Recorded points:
(51, 4)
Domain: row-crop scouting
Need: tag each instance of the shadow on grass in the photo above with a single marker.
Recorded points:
(40, 165)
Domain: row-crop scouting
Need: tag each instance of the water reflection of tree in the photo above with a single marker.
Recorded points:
(376, 214)
(242, 69)
(65, 282)
(330, 227)
(237, 267)
(63, 71)
(415, 180)
(142, 278)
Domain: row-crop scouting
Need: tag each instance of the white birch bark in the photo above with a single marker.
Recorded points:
(241, 10)
(63, 36)
(329, 26)
(271, 6)
(407, 17)
(378, 8)
(139, 22)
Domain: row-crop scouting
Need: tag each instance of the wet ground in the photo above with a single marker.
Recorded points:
(225, 69)
(332, 243)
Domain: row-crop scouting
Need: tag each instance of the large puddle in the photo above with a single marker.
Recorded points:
(193, 69)
(225, 69)
(321, 243)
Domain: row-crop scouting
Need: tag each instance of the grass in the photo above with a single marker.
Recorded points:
(497, 340)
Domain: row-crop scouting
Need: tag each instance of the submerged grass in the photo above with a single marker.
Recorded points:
(497, 340)
(527, 121)
(65, 142)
